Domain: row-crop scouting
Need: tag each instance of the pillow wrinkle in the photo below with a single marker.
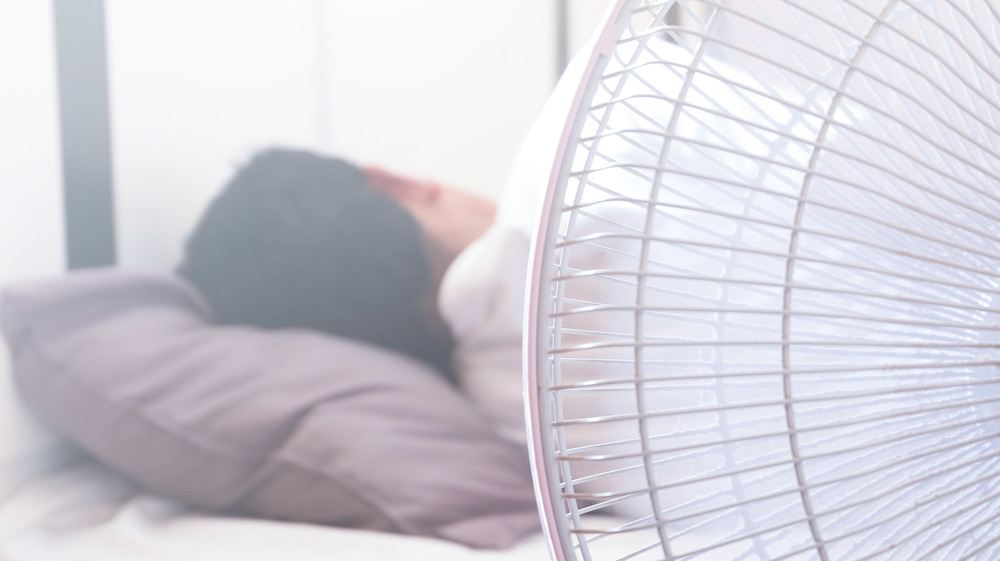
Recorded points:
(285, 458)
(96, 393)
(254, 498)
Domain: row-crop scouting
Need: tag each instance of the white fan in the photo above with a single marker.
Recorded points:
(765, 320)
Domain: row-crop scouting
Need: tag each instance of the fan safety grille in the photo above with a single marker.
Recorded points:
(766, 315)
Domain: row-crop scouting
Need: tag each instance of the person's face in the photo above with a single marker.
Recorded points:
(450, 218)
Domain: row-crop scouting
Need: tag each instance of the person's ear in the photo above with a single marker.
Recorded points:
(403, 189)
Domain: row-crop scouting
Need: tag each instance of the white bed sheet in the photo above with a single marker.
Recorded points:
(86, 512)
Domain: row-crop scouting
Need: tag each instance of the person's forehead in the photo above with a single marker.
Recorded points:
(464, 195)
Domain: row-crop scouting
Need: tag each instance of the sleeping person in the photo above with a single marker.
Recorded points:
(300, 240)
(296, 239)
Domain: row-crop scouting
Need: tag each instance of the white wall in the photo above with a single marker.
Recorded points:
(31, 232)
(440, 89)
(31, 238)
(196, 88)
(584, 17)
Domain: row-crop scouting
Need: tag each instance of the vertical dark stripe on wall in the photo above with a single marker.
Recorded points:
(562, 36)
(81, 61)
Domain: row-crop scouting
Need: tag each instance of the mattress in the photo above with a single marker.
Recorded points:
(86, 512)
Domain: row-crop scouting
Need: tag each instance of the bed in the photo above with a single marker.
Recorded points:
(59, 502)
(85, 511)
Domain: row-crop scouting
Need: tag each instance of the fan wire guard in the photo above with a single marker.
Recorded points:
(763, 322)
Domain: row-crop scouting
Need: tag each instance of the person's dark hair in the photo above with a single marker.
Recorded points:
(299, 240)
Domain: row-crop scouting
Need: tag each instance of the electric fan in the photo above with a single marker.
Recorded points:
(763, 320)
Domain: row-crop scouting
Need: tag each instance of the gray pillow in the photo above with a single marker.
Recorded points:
(289, 424)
